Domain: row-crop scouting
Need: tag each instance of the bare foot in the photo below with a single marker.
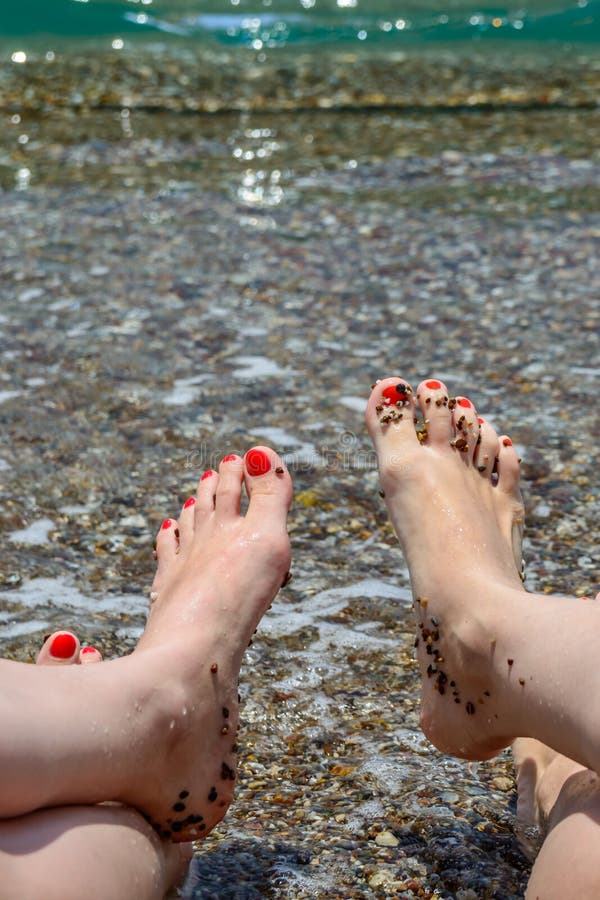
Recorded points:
(156, 730)
(496, 662)
(217, 574)
(452, 491)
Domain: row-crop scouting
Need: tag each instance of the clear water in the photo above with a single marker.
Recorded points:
(278, 23)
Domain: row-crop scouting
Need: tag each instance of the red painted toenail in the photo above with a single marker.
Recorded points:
(89, 650)
(257, 462)
(63, 646)
(464, 402)
(210, 471)
(507, 442)
(229, 458)
(189, 502)
(480, 420)
(434, 385)
(166, 524)
(395, 392)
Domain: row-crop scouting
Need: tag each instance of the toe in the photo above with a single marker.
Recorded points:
(390, 415)
(268, 484)
(186, 521)
(432, 395)
(60, 649)
(229, 488)
(487, 449)
(508, 466)
(89, 655)
(207, 491)
(466, 427)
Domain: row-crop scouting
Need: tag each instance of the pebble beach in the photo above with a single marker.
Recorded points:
(205, 251)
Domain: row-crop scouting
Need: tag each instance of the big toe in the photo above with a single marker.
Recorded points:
(390, 418)
(268, 485)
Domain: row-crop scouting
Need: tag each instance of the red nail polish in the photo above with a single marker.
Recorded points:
(166, 524)
(480, 420)
(209, 473)
(63, 646)
(464, 401)
(507, 442)
(257, 462)
(229, 457)
(433, 385)
(395, 392)
(89, 650)
(189, 502)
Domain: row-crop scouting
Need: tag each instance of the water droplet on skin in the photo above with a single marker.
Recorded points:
(184, 711)
(172, 724)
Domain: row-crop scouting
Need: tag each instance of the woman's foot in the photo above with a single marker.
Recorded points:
(493, 658)
(218, 572)
(156, 730)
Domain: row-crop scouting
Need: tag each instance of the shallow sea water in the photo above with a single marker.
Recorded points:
(193, 261)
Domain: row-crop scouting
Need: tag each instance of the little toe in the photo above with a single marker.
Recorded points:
(390, 415)
(268, 484)
(466, 427)
(487, 449)
(508, 467)
(60, 649)
(229, 488)
(432, 396)
(207, 491)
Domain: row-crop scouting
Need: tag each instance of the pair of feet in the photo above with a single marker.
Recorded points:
(452, 490)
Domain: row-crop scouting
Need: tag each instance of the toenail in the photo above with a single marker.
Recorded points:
(63, 646)
(507, 442)
(396, 392)
(166, 524)
(480, 420)
(189, 502)
(257, 462)
(433, 385)
(464, 401)
(229, 458)
(89, 650)
(210, 471)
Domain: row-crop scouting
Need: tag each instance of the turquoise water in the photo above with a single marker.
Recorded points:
(279, 23)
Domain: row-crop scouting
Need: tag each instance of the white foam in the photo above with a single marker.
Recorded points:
(8, 395)
(303, 452)
(45, 594)
(257, 367)
(185, 391)
(36, 533)
(356, 403)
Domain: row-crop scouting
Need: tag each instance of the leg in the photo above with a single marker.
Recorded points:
(453, 496)
(97, 852)
(156, 730)
(102, 852)
(563, 798)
